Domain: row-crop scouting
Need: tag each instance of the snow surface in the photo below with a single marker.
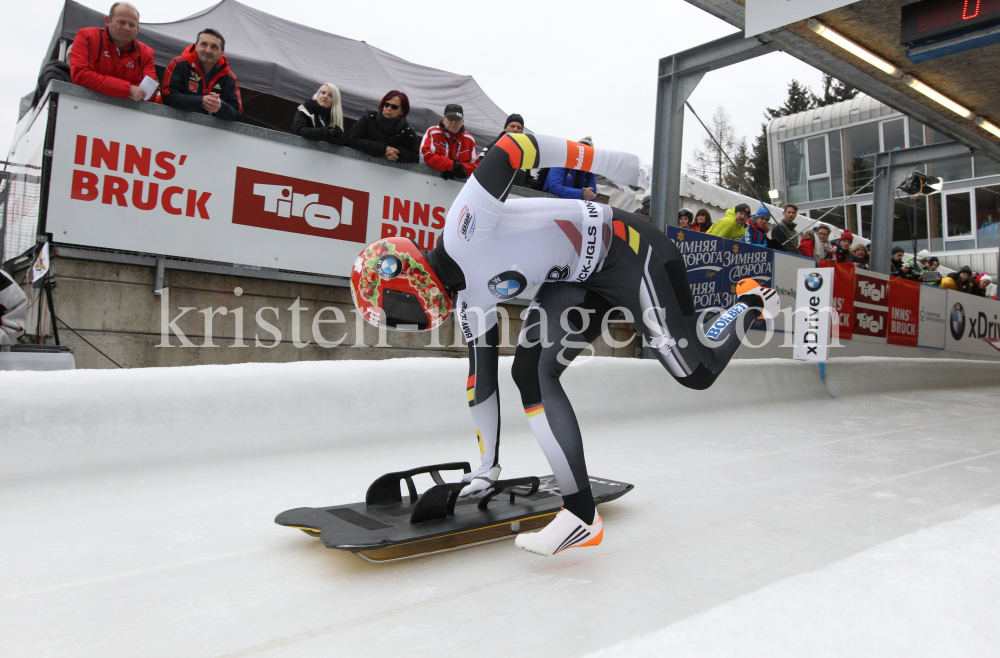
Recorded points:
(137, 509)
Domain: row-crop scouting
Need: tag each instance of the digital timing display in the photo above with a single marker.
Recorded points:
(934, 18)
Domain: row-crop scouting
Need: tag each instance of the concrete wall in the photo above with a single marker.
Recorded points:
(113, 306)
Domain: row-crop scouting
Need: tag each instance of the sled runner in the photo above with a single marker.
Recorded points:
(389, 526)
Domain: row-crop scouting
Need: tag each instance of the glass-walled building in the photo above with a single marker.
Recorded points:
(823, 161)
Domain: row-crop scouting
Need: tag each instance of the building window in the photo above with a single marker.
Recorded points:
(836, 164)
(893, 135)
(916, 130)
(819, 168)
(952, 170)
(860, 144)
(795, 170)
(988, 217)
(835, 218)
(985, 166)
(958, 215)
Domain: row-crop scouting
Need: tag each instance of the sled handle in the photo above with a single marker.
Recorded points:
(498, 486)
(385, 489)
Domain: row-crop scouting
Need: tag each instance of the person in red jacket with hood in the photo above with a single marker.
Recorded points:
(110, 60)
(200, 79)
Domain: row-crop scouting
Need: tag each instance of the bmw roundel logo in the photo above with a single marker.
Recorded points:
(814, 281)
(507, 284)
(389, 266)
(957, 322)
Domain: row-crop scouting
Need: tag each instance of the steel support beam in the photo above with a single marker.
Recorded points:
(735, 13)
(679, 75)
(891, 169)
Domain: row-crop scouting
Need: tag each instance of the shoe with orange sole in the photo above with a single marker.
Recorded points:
(564, 531)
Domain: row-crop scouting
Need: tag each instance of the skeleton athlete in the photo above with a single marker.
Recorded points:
(590, 258)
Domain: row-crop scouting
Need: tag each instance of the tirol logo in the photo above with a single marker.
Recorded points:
(957, 323)
(281, 203)
(814, 281)
(507, 284)
(389, 266)
(467, 224)
(557, 273)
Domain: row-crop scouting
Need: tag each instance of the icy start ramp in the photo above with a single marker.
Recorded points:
(138, 506)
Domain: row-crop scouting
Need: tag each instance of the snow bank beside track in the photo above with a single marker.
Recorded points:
(72, 421)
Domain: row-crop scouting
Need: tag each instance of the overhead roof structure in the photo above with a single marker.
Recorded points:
(280, 58)
(968, 78)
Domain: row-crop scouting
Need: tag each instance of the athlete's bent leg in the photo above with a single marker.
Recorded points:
(560, 324)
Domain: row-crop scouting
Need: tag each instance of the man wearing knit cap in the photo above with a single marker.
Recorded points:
(844, 243)
(896, 262)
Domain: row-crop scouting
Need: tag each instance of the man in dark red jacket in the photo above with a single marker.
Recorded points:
(110, 60)
(447, 146)
(200, 80)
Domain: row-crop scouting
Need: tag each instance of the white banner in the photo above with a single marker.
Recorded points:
(812, 313)
(973, 324)
(933, 317)
(135, 181)
(765, 15)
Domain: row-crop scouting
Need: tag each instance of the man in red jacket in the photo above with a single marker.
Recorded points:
(110, 60)
(448, 147)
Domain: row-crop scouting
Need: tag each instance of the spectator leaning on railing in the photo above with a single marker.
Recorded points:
(733, 225)
(702, 221)
(965, 279)
(757, 227)
(572, 183)
(843, 246)
(448, 147)
(110, 60)
(781, 235)
(199, 80)
(859, 256)
(321, 118)
(816, 245)
(386, 134)
(13, 310)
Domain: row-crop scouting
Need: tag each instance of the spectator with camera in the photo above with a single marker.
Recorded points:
(448, 147)
(321, 118)
(816, 245)
(386, 133)
(200, 80)
(110, 60)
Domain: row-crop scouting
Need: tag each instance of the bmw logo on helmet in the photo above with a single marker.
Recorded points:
(814, 281)
(389, 266)
(957, 323)
(507, 284)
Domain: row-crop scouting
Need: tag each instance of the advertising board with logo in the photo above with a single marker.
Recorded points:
(933, 317)
(904, 311)
(812, 314)
(842, 301)
(137, 181)
(871, 307)
(973, 324)
(715, 265)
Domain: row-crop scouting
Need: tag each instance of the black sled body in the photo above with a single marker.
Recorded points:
(389, 526)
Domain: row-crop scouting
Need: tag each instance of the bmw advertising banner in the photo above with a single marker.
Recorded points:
(715, 265)
(973, 325)
(812, 313)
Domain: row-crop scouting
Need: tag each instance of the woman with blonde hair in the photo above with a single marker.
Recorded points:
(321, 119)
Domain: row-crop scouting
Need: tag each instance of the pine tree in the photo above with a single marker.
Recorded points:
(759, 171)
(735, 175)
(835, 91)
(710, 163)
(800, 98)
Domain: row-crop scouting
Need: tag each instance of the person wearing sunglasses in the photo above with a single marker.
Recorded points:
(386, 133)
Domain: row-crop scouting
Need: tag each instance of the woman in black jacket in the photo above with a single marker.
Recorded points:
(386, 134)
(322, 118)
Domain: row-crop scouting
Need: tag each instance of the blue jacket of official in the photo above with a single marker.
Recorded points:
(560, 182)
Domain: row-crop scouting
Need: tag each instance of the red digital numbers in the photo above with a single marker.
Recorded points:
(965, 10)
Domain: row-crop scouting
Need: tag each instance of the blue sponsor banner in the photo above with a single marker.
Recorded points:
(715, 265)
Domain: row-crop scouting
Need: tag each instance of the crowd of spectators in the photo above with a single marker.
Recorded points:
(113, 62)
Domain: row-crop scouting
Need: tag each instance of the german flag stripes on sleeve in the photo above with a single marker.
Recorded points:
(534, 151)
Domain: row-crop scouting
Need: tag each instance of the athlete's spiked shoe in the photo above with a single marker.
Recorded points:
(564, 531)
(480, 482)
(753, 294)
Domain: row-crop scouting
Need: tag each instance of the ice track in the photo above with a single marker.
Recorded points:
(137, 513)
